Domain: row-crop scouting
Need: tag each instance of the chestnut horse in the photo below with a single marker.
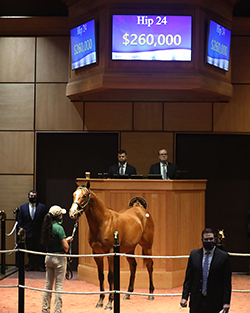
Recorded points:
(135, 226)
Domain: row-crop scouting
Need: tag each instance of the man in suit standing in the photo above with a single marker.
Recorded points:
(208, 278)
(30, 217)
(122, 167)
(166, 169)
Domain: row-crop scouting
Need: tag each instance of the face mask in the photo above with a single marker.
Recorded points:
(32, 200)
(208, 245)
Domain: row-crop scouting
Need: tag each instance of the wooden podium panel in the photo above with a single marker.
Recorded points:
(178, 211)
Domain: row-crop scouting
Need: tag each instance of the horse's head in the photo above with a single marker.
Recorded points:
(81, 198)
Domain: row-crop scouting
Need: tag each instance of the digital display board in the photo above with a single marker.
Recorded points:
(151, 37)
(83, 45)
(218, 45)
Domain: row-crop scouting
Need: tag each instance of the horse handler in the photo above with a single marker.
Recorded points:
(53, 236)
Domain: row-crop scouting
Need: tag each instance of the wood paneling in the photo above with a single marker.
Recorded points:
(188, 116)
(17, 57)
(240, 51)
(148, 116)
(17, 107)
(22, 185)
(16, 152)
(178, 211)
(52, 59)
(34, 26)
(235, 115)
(108, 116)
(241, 26)
(54, 111)
(143, 147)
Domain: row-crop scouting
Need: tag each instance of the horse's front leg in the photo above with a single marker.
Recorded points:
(99, 263)
(111, 282)
(132, 266)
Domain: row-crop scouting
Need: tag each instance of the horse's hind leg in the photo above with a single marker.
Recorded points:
(99, 263)
(149, 265)
(132, 266)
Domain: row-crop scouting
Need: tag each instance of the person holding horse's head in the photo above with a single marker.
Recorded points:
(166, 169)
(122, 167)
(54, 238)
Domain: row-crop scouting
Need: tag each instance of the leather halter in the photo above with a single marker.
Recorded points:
(82, 206)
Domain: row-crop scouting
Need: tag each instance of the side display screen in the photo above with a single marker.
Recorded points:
(83, 45)
(218, 47)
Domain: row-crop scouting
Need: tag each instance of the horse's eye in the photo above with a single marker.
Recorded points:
(84, 196)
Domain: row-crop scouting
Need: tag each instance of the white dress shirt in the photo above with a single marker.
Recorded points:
(124, 168)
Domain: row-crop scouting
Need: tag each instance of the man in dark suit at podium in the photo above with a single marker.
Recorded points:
(166, 169)
(122, 167)
(30, 217)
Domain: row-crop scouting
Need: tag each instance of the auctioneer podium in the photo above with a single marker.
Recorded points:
(178, 211)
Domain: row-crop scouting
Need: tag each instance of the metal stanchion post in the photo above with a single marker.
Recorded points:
(15, 212)
(116, 272)
(21, 273)
(3, 219)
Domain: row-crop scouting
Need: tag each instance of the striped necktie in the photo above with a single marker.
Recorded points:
(32, 212)
(164, 172)
(205, 273)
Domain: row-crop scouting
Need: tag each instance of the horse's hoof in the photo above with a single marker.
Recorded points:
(99, 305)
(126, 297)
(151, 298)
(108, 306)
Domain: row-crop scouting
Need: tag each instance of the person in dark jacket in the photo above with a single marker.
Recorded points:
(30, 217)
(122, 167)
(166, 169)
(208, 278)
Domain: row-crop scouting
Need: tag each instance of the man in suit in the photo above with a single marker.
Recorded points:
(166, 169)
(208, 278)
(30, 217)
(122, 167)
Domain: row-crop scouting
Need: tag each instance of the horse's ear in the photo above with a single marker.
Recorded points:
(88, 185)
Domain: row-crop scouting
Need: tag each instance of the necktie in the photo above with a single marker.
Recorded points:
(32, 212)
(164, 172)
(205, 273)
(122, 170)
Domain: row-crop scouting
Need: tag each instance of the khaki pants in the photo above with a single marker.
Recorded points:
(55, 272)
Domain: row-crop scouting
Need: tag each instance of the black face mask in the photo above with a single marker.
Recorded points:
(208, 245)
(32, 200)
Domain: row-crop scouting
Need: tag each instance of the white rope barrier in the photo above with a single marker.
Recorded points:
(108, 255)
(13, 229)
(68, 292)
(105, 292)
(112, 254)
(239, 254)
(7, 251)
